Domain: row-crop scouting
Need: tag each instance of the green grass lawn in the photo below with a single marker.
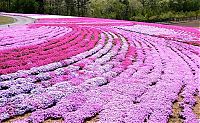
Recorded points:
(6, 20)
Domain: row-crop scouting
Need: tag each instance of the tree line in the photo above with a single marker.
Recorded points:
(138, 10)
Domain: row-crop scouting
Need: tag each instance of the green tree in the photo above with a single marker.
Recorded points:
(25, 6)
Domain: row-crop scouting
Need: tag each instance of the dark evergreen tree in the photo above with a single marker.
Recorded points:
(41, 6)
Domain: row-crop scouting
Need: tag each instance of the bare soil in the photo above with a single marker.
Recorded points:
(175, 118)
(195, 23)
(94, 119)
(196, 108)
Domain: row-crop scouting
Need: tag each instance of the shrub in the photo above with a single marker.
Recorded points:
(25, 6)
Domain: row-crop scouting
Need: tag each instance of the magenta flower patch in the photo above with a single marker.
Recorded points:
(77, 68)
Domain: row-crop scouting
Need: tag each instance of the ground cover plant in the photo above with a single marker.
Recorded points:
(137, 10)
(79, 68)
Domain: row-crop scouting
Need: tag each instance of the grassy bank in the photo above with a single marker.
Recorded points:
(6, 20)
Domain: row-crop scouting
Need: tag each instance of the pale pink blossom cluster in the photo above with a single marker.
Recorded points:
(78, 68)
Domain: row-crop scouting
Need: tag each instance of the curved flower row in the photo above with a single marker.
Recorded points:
(78, 68)
(25, 36)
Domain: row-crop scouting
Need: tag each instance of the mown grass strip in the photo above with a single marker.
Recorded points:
(6, 20)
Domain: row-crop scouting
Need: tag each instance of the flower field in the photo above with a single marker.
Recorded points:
(76, 69)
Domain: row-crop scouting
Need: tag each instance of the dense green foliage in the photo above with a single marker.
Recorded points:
(139, 10)
(145, 10)
(24, 6)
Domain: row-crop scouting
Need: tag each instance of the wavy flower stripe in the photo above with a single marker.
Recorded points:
(78, 68)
